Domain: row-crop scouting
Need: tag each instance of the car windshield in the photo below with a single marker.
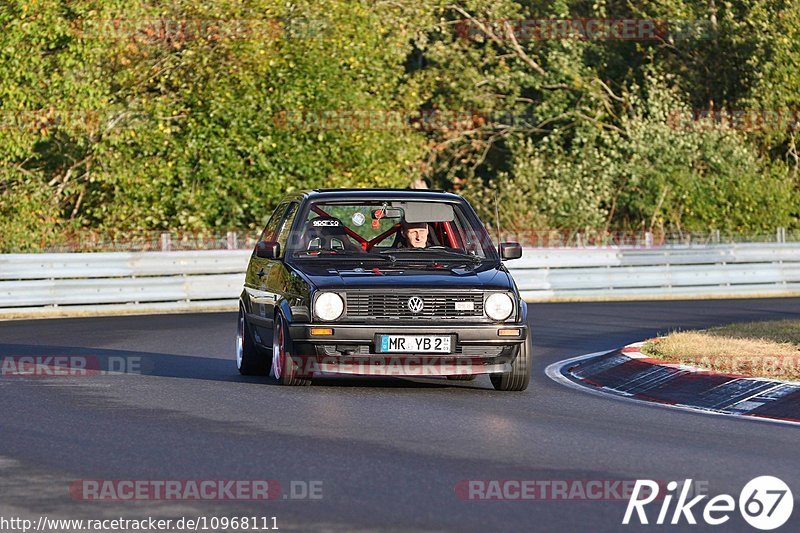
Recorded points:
(391, 230)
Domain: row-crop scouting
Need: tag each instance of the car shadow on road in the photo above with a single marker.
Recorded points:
(32, 362)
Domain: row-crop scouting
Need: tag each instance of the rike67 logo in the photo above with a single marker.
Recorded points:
(765, 503)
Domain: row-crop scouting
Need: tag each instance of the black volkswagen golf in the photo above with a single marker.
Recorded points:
(381, 282)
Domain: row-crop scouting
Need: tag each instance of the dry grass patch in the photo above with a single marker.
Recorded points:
(759, 349)
(783, 331)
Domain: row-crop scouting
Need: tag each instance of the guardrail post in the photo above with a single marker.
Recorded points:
(780, 235)
(233, 243)
(166, 242)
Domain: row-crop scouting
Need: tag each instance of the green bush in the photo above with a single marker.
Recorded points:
(201, 129)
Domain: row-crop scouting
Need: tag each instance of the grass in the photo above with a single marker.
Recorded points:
(759, 349)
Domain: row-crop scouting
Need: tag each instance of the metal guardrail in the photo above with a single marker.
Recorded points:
(120, 281)
(136, 281)
(679, 271)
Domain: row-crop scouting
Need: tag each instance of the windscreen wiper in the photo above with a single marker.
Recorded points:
(327, 255)
(433, 254)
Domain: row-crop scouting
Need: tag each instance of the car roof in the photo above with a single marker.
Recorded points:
(378, 193)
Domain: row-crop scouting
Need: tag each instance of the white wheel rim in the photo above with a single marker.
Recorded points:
(277, 349)
(240, 340)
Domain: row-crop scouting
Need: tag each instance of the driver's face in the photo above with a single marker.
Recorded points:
(417, 237)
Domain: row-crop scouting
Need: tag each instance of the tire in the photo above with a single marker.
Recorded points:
(249, 359)
(519, 376)
(285, 368)
(462, 377)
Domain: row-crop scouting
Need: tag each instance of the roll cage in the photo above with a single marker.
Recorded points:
(443, 233)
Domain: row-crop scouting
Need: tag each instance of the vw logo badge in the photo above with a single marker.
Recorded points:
(415, 304)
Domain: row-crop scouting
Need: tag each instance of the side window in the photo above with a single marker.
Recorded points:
(286, 227)
(271, 229)
(468, 236)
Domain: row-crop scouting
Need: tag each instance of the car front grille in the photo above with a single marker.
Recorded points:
(394, 305)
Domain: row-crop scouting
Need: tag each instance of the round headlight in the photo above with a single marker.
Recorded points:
(329, 306)
(499, 306)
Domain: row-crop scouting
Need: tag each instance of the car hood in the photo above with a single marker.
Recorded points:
(329, 276)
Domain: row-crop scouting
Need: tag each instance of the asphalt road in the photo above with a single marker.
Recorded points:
(389, 453)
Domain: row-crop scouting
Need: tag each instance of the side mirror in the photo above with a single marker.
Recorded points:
(268, 249)
(510, 250)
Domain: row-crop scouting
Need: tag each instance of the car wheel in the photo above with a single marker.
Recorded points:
(285, 368)
(249, 359)
(519, 376)
(462, 377)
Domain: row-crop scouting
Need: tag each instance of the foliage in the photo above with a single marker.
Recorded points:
(119, 116)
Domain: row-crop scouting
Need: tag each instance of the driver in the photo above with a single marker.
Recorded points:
(415, 234)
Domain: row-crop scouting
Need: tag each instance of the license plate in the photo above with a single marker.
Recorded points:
(414, 343)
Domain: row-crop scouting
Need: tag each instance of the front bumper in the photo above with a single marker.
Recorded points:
(473, 334)
(351, 349)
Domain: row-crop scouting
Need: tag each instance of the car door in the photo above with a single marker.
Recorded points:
(259, 298)
(277, 275)
(267, 279)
